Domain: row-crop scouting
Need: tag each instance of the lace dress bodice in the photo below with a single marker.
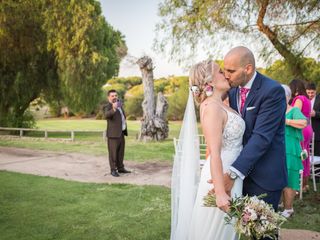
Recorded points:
(233, 132)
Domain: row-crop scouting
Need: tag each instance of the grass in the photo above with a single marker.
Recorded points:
(45, 208)
(93, 143)
(306, 212)
(35, 207)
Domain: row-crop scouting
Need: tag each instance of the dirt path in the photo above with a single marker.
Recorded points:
(297, 234)
(81, 167)
(88, 168)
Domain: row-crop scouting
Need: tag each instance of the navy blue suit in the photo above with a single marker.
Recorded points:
(263, 158)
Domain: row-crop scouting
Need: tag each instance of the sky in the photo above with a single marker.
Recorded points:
(136, 20)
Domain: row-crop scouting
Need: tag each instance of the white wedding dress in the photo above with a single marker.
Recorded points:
(208, 223)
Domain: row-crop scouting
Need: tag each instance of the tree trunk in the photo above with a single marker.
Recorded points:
(294, 62)
(154, 125)
(160, 119)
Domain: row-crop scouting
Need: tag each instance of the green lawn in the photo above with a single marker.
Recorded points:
(306, 212)
(33, 207)
(93, 143)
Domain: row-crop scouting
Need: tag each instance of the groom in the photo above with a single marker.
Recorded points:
(262, 103)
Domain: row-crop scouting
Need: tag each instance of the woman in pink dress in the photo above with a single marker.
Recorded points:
(300, 99)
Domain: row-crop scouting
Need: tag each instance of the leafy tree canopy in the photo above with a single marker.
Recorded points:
(289, 28)
(62, 49)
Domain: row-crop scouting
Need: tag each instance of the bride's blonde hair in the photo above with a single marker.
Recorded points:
(200, 75)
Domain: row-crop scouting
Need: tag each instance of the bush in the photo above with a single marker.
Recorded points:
(131, 117)
(133, 106)
(55, 108)
(279, 71)
(26, 120)
(174, 88)
(129, 82)
(120, 88)
(160, 85)
(178, 100)
(99, 115)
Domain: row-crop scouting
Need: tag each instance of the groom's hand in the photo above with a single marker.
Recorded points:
(228, 183)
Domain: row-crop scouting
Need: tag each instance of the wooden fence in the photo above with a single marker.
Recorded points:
(46, 132)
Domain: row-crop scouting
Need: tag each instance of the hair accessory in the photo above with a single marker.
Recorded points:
(209, 90)
(195, 90)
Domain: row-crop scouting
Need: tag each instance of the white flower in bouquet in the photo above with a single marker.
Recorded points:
(254, 218)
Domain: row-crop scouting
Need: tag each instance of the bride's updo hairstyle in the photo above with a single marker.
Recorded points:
(199, 77)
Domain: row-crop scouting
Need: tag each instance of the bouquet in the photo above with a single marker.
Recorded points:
(254, 218)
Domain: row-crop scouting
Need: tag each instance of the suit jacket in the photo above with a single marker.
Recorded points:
(114, 126)
(315, 121)
(263, 157)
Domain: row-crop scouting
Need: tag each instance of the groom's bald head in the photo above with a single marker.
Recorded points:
(242, 56)
(239, 66)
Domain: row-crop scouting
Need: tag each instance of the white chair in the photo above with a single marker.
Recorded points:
(203, 149)
(301, 184)
(202, 144)
(314, 164)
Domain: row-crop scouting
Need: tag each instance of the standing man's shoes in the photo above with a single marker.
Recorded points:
(124, 171)
(115, 173)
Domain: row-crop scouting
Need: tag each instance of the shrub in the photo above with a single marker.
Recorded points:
(120, 88)
(131, 117)
(99, 115)
(133, 106)
(128, 81)
(178, 100)
(26, 120)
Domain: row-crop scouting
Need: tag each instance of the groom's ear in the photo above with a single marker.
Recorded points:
(249, 69)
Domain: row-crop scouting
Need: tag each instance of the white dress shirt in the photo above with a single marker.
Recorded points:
(124, 125)
(312, 102)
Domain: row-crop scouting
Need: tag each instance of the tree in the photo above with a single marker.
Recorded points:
(280, 71)
(290, 28)
(88, 50)
(26, 67)
(153, 125)
(63, 50)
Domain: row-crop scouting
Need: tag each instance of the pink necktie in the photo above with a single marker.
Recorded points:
(243, 96)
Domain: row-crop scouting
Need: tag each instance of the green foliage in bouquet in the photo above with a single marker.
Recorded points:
(254, 218)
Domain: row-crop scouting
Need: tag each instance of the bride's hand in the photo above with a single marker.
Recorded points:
(223, 201)
(228, 184)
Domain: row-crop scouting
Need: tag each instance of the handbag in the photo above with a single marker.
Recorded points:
(304, 154)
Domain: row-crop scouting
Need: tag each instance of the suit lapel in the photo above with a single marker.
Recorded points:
(253, 91)
(234, 99)
(316, 104)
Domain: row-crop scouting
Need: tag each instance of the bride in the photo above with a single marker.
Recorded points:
(223, 130)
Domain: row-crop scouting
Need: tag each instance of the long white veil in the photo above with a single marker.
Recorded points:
(185, 174)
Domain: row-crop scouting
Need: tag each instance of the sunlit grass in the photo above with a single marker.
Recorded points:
(37, 208)
(92, 143)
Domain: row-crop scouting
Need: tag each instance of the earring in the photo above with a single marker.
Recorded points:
(209, 90)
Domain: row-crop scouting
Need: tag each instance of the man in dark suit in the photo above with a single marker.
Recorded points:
(262, 104)
(116, 130)
(315, 115)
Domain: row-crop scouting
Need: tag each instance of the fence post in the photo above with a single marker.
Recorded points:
(104, 135)
(21, 132)
(72, 136)
(46, 134)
